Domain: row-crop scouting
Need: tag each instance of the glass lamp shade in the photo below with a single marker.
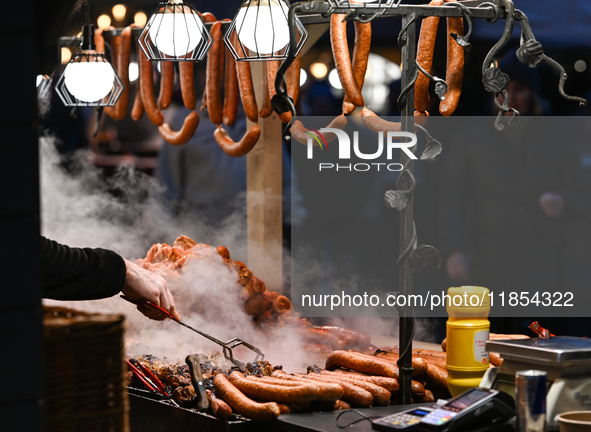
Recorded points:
(262, 26)
(89, 80)
(260, 31)
(175, 33)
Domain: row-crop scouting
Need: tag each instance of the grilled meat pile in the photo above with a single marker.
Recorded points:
(267, 308)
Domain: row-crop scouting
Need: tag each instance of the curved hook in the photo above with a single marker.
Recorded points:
(554, 64)
(407, 89)
(440, 84)
(509, 24)
(402, 35)
(469, 18)
(495, 9)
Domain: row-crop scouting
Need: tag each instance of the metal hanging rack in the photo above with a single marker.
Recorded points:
(413, 257)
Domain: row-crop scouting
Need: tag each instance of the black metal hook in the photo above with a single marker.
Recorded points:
(509, 24)
(495, 9)
(402, 35)
(440, 84)
(531, 53)
(468, 18)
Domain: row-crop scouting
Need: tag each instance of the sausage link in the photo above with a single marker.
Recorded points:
(272, 68)
(495, 359)
(454, 75)
(147, 90)
(166, 83)
(212, 77)
(437, 375)
(498, 336)
(390, 384)
(240, 148)
(327, 391)
(292, 78)
(230, 91)
(266, 108)
(361, 363)
(246, 87)
(123, 73)
(282, 304)
(99, 40)
(184, 135)
(425, 52)
(207, 17)
(114, 43)
(220, 409)
(360, 59)
(242, 404)
(356, 396)
(187, 84)
(418, 364)
(272, 392)
(137, 111)
(428, 396)
(444, 344)
(377, 124)
(298, 130)
(342, 60)
(381, 396)
(351, 336)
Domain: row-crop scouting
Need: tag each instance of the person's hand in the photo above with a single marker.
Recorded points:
(552, 204)
(457, 267)
(143, 284)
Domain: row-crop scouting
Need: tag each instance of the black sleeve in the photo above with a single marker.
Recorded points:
(80, 274)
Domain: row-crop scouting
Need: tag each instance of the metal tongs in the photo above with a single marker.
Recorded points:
(227, 346)
(151, 381)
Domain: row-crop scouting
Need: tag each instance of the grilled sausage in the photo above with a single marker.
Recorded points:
(495, 359)
(240, 148)
(428, 396)
(115, 43)
(123, 72)
(437, 375)
(356, 396)
(390, 384)
(326, 391)
(361, 363)
(342, 60)
(184, 135)
(444, 344)
(454, 75)
(282, 304)
(240, 403)
(377, 124)
(497, 336)
(360, 59)
(425, 51)
(298, 130)
(272, 392)
(147, 90)
(212, 75)
(418, 364)
(381, 396)
(220, 409)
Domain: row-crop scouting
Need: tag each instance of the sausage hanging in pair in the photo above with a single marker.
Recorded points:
(360, 59)
(340, 50)
(240, 148)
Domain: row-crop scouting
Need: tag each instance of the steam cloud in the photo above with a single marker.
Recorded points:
(78, 210)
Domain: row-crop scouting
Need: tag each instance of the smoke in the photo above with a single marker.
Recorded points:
(127, 214)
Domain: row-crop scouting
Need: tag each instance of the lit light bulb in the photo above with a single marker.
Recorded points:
(103, 21)
(66, 55)
(134, 71)
(89, 81)
(175, 34)
(318, 70)
(119, 11)
(262, 26)
(140, 19)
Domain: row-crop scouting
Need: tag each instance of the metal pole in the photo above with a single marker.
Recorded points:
(406, 321)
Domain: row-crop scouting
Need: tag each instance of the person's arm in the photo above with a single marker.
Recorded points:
(90, 274)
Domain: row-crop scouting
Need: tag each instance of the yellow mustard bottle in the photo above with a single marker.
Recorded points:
(467, 331)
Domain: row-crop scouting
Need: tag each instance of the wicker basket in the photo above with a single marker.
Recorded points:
(84, 372)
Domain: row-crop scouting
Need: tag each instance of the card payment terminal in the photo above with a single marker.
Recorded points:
(477, 406)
